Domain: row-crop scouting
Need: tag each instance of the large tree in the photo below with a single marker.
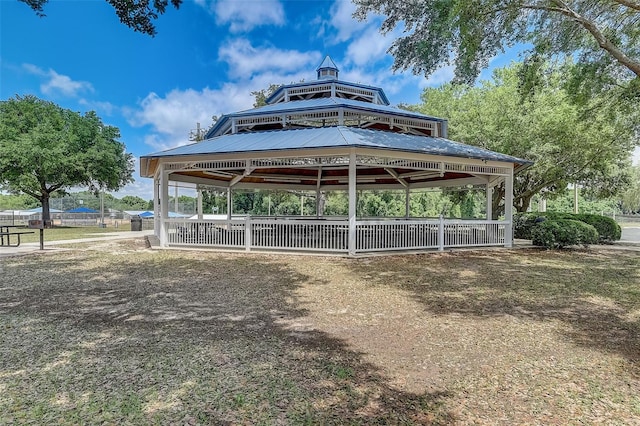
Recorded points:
(136, 14)
(568, 142)
(604, 35)
(46, 149)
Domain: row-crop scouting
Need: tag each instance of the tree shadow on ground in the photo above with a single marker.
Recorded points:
(594, 292)
(181, 338)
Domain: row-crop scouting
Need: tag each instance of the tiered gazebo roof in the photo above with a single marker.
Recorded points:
(328, 114)
(327, 135)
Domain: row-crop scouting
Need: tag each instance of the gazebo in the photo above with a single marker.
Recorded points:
(330, 135)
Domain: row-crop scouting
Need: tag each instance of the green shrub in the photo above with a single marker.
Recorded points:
(562, 233)
(608, 229)
(522, 224)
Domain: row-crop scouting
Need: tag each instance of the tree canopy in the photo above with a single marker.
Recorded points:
(603, 35)
(568, 142)
(136, 14)
(46, 149)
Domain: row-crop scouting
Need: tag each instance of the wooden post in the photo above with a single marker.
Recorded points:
(200, 213)
(489, 203)
(156, 206)
(247, 233)
(441, 234)
(352, 203)
(508, 209)
(164, 205)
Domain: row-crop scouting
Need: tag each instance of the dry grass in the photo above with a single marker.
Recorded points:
(119, 334)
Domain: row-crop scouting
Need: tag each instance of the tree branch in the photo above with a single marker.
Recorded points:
(590, 26)
(628, 3)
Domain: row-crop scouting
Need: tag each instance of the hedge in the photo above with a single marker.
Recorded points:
(563, 232)
(607, 228)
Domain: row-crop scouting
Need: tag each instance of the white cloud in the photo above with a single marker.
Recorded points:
(341, 19)
(141, 187)
(246, 60)
(369, 47)
(174, 115)
(243, 16)
(58, 83)
(106, 108)
(171, 116)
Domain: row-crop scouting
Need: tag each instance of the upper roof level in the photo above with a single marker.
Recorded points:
(327, 102)
(327, 69)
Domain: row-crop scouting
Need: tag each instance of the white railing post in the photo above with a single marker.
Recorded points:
(352, 203)
(508, 209)
(441, 234)
(247, 233)
(164, 206)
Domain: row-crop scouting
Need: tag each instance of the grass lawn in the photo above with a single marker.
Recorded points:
(69, 232)
(114, 333)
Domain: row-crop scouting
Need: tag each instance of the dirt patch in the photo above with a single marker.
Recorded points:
(120, 333)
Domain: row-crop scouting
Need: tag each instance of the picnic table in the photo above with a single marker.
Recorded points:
(6, 233)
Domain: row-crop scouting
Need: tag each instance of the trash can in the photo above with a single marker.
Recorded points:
(136, 223)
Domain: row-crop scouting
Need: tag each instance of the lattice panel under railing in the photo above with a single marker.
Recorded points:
(206, 233)
(399, 235)
(207, 165)
(309, 90)
(355, 91)
(300, 162)
(476, 168)
(394, 162)
(270, 119)
(333, 235)
(418, 124)
(313, 116)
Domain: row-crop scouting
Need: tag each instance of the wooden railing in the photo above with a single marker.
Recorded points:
(320, 235)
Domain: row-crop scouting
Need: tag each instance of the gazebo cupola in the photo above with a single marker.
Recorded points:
(327, 70)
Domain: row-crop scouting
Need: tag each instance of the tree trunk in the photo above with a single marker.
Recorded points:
(496, 208)
(46, 215)
(524, 204)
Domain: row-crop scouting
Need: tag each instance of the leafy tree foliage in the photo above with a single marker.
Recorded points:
(261, 96)
(568, 142)
(135, 14)
(336, 203)
(133, 202)
(631, 196)
(604, 34)
(17, 202)
(46, 149)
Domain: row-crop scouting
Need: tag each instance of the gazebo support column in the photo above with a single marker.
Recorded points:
(164, 205)
(200, 213)
(508, 209)
(352, 203)
(156, 206)
(229, 203)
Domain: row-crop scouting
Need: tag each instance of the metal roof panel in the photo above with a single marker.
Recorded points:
(334, 137)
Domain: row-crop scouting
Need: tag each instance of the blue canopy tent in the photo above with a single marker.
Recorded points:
(81, 210)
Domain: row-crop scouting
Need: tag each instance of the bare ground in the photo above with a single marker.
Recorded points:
(116, 333)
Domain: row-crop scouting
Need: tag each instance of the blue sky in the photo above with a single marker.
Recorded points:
(206, 59)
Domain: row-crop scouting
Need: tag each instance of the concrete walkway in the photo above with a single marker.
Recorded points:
(51, 246)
